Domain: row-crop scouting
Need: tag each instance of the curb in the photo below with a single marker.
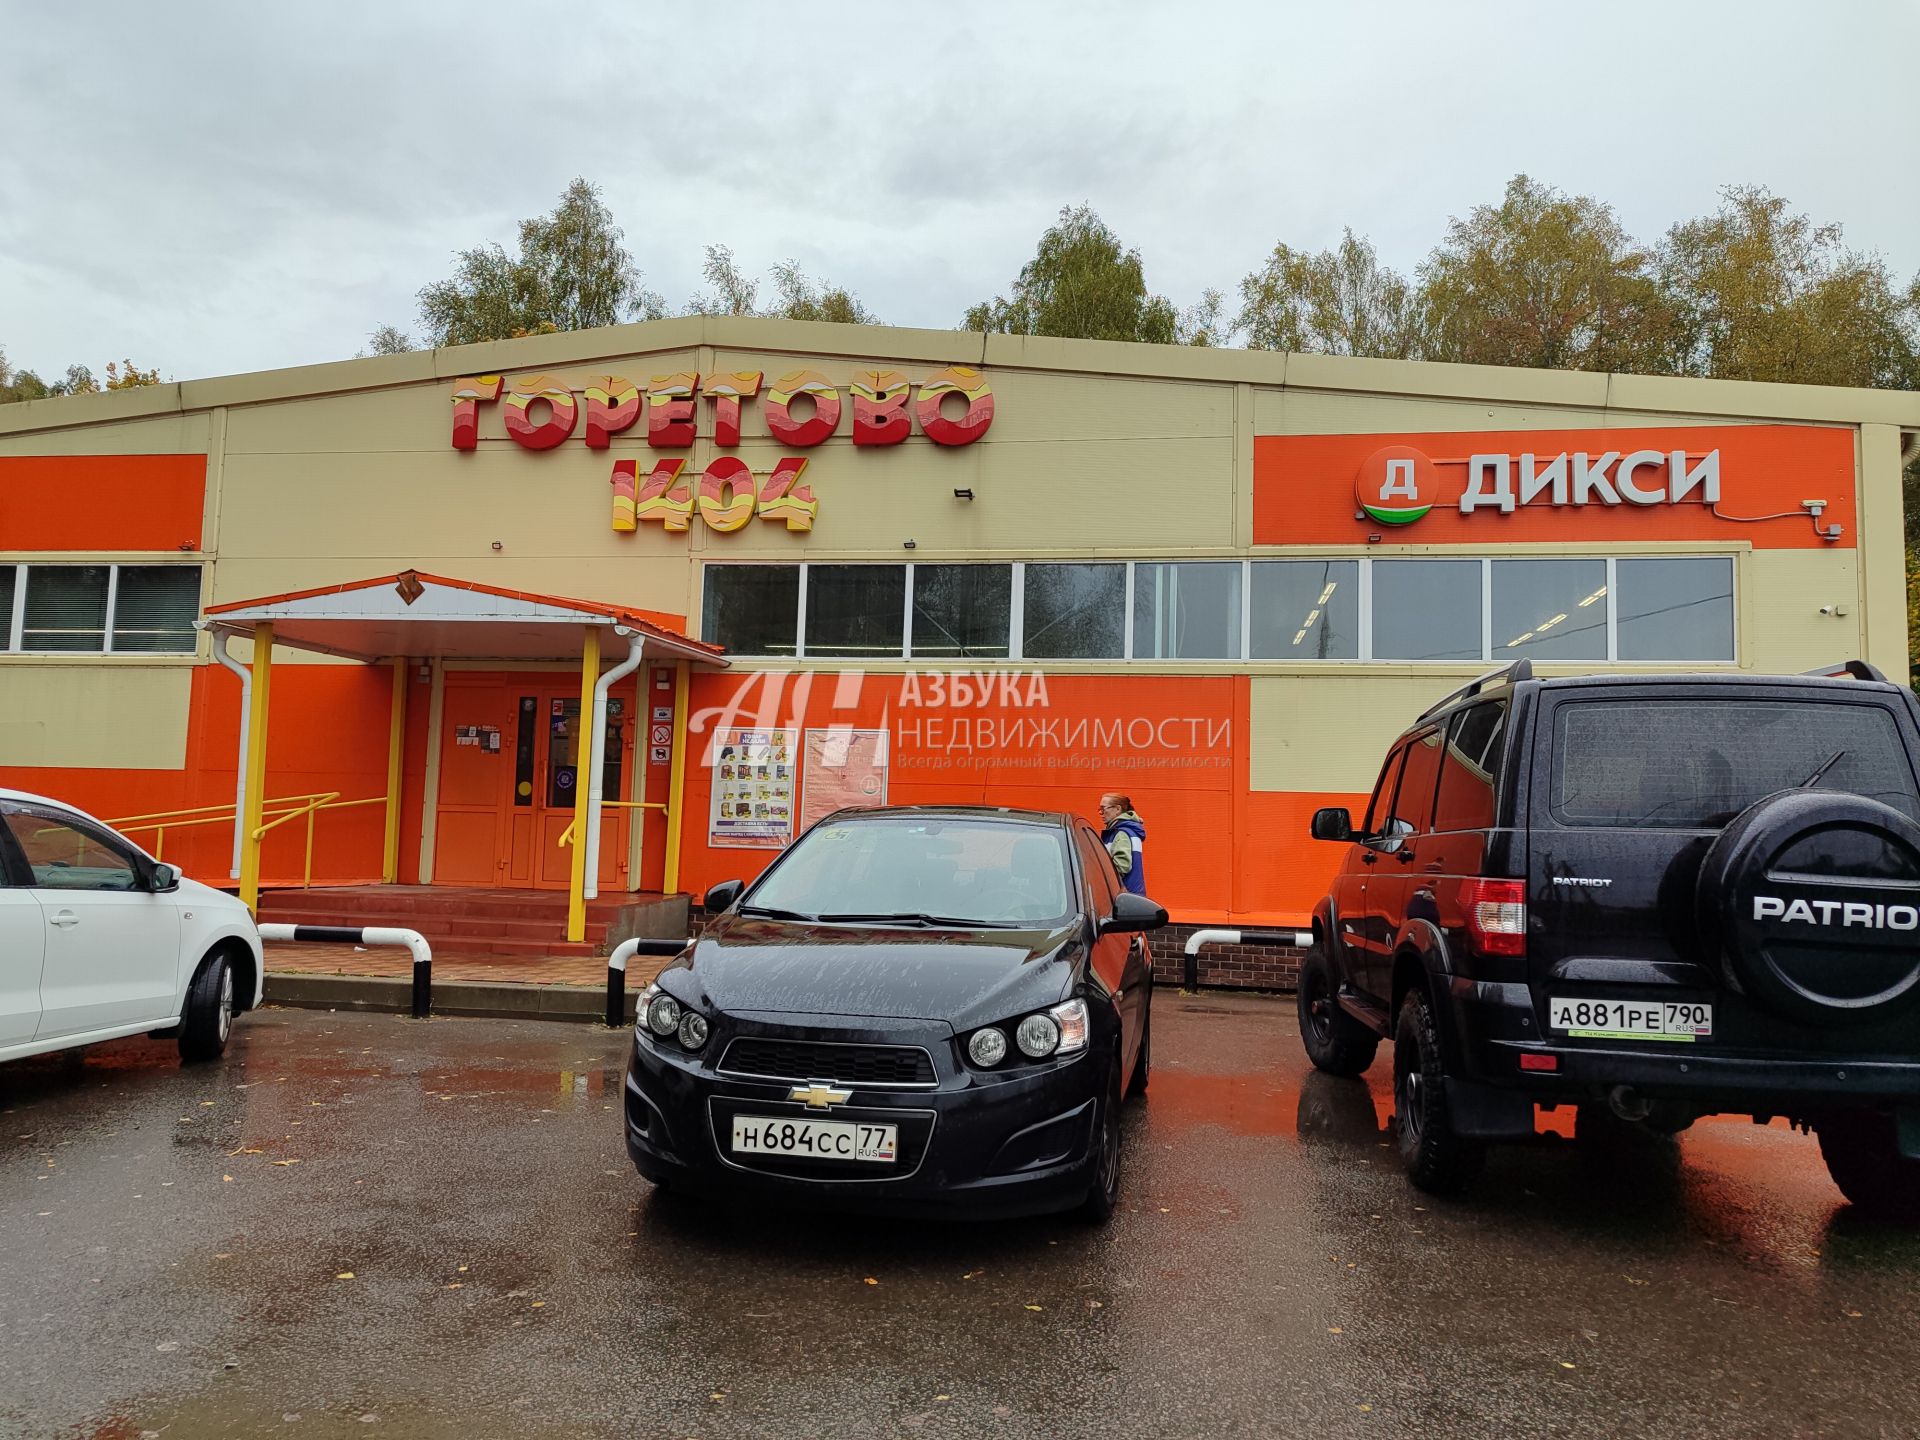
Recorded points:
(486, 998)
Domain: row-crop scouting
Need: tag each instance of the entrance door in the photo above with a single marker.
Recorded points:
(508, 767)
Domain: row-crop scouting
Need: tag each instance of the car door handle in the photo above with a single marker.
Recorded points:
(1369, 858)
(65, 919)
(1406, 857)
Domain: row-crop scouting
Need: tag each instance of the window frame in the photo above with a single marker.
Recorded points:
(13, 625)
(111, 841)
(1490, 651)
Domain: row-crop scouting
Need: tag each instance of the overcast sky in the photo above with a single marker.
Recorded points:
(211, 189)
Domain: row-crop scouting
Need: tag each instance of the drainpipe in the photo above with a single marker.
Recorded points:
(220, 638)
(596, 757)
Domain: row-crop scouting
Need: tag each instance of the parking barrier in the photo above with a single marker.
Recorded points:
(370, 935)
(1298, 939)
(617, 972)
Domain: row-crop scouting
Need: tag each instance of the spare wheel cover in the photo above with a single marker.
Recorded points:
(1812, 900)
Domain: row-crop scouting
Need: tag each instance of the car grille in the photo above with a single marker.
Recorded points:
(823, 1060)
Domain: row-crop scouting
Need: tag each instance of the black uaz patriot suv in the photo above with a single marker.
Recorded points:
(1653, 897)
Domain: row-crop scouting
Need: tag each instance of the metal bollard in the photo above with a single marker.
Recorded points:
(370, 935)
(616, 1015)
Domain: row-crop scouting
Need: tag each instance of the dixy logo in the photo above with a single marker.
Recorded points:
(1397, 485)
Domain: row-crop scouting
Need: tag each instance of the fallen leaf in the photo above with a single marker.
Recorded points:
(1165, 1211)
(538, 1303)
(1335, 1330)
(1853, 1314)
(286, 1162)
(457, 1285)
(463, 1270)
(1367, 1408)
(1568, 1365)
(344, 1275)
(972, 1273)
(1036, 1307)
(872, 1281)
(227, 1179)
(941, 1398)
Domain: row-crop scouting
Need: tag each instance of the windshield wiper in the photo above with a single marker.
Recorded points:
(1814, 779)
(909, 917)
(774, 912)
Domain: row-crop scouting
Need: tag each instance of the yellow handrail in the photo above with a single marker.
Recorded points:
(566, 835)
(131, 822)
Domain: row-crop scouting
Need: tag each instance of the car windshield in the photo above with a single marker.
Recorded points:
(1693, 764)
(920, 870)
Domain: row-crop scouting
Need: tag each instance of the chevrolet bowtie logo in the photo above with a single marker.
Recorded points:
(818, 1095)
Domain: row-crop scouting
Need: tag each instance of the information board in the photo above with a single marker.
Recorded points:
(844, 768)
(753, 772)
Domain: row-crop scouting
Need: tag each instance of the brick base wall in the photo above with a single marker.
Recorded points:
(1219, 967)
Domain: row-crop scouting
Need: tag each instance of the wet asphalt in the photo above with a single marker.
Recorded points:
(365, 1225)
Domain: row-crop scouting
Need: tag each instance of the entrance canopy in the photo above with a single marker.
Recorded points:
(414, 615)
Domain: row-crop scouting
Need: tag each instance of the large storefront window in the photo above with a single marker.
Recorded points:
(1075, 612)
(962, 612)
(1426, 610)
(856, 612)
(1550, 609)
(99, 609)
(752, 609)
(1306, 610)
(1676, 609)
(1187, 611)
(1590, 610)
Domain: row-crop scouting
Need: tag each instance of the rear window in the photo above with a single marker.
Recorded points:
(1695, 764)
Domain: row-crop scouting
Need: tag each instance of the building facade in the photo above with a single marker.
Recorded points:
(922, 566)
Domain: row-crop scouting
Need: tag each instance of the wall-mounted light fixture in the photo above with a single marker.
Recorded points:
(906, 544)
(496, 545)
(963, 494)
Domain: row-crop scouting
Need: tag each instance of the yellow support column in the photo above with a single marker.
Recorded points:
(396, 754)
(676, 781)
(583, 740)
(256, 766)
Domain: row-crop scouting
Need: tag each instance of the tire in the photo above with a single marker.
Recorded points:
(207, 1019)
(1143, 1062)
(1438, 1160)
(1335, 1041)
(1103, 1196)
(1864, 1159)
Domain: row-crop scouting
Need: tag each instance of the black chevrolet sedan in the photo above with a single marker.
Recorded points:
(917, 1010)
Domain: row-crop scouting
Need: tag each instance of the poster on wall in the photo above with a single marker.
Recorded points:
(753, 789)
(845, 769)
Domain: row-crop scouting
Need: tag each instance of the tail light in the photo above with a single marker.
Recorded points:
(1496, 916)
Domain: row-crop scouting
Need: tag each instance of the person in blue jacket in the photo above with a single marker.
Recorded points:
(1125, 834)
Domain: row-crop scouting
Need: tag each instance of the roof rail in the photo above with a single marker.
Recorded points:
(1853, 669)
(1521, 669)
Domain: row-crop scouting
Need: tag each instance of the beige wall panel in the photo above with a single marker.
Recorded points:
(1493, 384)
(83, 717)
(1330, 733)
(1144, 496)
(1324, 412)
(414, 418)
(1783, 629)
(162, 435)
(1882, 543)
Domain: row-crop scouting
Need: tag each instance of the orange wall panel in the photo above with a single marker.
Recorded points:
(102, 502)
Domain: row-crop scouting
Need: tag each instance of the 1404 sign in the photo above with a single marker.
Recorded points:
(801, 409)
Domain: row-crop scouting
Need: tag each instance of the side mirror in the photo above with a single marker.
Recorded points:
(1333, 823)
(163, 879)
(1133, 912)
(722, 896)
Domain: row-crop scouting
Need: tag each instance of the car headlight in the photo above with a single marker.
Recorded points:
(1037, 1036)
(1072, 1020)
(988, 1047)
(693, 1029)
(663, 1015)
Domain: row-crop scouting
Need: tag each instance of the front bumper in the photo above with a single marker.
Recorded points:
(1497, 1023)
(1017, 1143)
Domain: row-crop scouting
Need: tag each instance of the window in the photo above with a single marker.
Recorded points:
(99, 609)
(1413, 804)
(64, 856)
(1466, 798)
(1382, 794)
(1695, 764)
(1097, 861)
(1679, 609)
(1075, 612)
(1188, 611)
(856, 612)
(962, 612)
(1306, 610)
(154, 609)
(751, 609)
(1426, 609)
(1550, 609)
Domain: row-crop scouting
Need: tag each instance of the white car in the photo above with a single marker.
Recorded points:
(99, 940)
